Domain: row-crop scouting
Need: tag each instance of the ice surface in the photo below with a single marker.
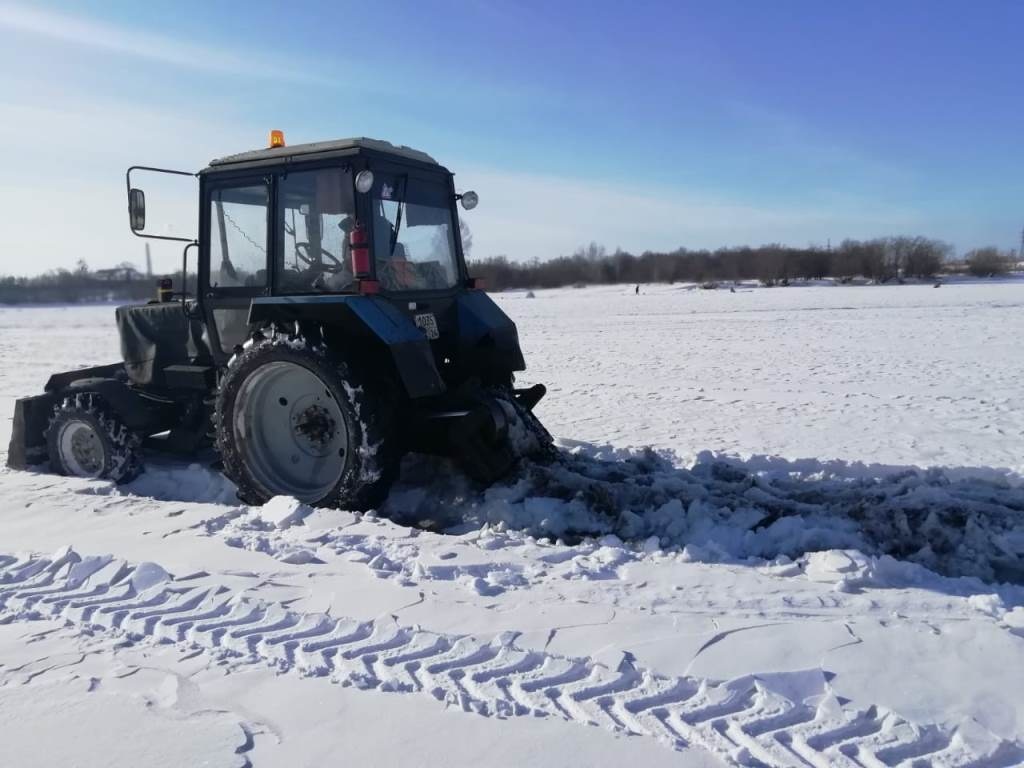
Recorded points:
(826, 526)
(753, 717)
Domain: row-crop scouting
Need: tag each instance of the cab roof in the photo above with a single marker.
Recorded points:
(283, 154)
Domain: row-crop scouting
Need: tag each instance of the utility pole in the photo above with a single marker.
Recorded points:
(149, 263)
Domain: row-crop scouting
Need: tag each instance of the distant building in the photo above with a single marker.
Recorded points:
(122, 274)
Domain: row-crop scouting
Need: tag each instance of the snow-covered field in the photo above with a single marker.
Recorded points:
(820, 561)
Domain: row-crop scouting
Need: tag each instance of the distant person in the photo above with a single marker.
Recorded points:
(638, 289)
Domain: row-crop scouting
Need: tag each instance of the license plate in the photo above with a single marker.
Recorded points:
(428, 324)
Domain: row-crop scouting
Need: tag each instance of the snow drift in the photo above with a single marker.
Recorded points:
(722, 508)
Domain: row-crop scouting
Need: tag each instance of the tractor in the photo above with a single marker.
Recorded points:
(333, 328)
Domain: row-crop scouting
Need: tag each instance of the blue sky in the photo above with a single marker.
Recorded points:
(645, 125)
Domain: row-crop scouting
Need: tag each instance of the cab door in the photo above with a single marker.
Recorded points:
(236, 266)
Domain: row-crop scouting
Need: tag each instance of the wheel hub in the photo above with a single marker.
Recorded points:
(314, 429)
(81, 449)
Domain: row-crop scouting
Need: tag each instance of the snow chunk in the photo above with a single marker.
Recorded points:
(63, 556)
(988, 604)
(835, 565)
(300, 557)
(86, 567)
(283, 512)
(148, 575)
(1014, 620)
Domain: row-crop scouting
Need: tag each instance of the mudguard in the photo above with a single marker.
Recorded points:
(138, 413)
(375, 316)
(488, 340)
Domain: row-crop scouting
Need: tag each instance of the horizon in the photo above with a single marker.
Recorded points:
(675, 125)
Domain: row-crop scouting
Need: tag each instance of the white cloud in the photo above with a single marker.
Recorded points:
(138, 43)
(63, 194)
(64, 191)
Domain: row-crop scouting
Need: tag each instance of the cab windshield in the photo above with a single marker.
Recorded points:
(413, 234)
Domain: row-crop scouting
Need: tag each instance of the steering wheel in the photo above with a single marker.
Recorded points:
(306, 258)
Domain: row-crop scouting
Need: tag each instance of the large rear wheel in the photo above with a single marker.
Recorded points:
(293, 420)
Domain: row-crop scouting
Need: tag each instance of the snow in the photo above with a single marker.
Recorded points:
(863, 376)
(818, 558)
(282, 512)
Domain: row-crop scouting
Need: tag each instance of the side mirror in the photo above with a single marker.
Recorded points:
(469, 200)
(137, 209)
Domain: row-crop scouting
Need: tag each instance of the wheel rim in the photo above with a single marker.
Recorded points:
(290, 431)
(81, 449)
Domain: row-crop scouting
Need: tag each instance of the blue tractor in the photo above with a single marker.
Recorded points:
(333, 328)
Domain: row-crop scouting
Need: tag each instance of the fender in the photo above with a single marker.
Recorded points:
(362, 316)
(488, 339)
(138, 412)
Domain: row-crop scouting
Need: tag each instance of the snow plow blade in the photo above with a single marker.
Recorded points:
(28, 431)
(479, 434)
(479, 440)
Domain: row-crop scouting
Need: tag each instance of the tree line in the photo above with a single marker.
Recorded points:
(81, 286)
(880, 260)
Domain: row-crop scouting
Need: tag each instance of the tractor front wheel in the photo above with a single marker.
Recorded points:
(294, 420)
(85, 439)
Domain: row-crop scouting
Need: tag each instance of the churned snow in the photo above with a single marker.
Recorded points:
(785, 530)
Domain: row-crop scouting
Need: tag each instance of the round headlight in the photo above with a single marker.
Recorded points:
(364, 181)
(469, 200)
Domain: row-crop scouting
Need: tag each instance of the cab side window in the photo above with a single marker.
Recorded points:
(238, 256)
(238, 236)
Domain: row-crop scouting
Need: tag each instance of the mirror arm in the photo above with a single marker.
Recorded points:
(128, 183)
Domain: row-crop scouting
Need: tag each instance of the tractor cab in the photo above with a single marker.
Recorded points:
(351, 217)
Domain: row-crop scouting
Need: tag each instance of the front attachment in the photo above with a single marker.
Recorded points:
(28, 433)
(489, 435)
(480, 441)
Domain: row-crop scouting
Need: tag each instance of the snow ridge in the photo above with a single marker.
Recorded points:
(723, 508)
(777, 719)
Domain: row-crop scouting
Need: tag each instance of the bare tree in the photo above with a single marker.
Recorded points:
(988, 261)
(918, 256)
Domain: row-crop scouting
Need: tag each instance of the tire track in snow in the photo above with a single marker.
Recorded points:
(776, 719)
